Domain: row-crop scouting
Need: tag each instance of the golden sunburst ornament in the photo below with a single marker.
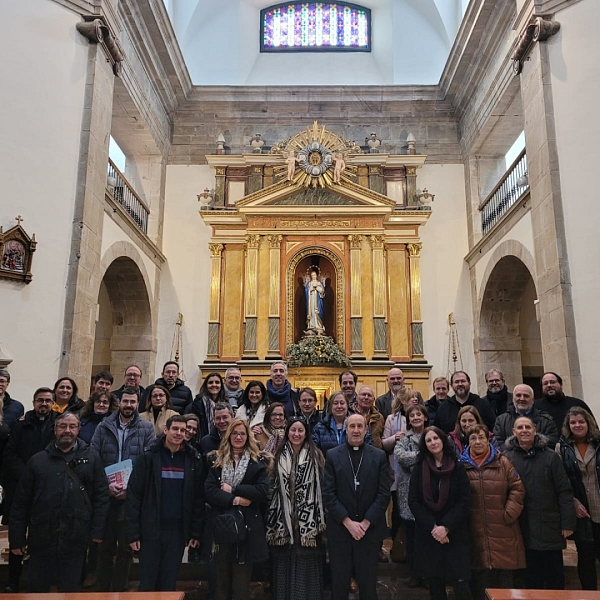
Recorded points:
(316, 158)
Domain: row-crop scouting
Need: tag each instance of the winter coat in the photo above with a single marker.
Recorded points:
(432, 406)
(544, 424)
(24, 441)
(393, 424)
(314, 418)
(571, 464)
(433, 559)
(549, 506)
(142, 506)
(558, 407)
(181, 395)
(12, 410)
(325, 435)
(105, 440)
(406, 454)
(447, 412)
(497, 500)
(500, 402)
(50, 509)
(161, 421)
(197, 408)
(141, 392)
(88, 426)
(255, 487)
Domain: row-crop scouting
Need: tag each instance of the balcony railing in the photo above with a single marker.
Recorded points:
(508, 191)
(120, 189)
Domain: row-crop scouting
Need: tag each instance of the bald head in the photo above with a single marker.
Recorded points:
(523, 398)
(395, 379)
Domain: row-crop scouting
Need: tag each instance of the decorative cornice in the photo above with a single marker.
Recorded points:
(97, 31)
(539, 29)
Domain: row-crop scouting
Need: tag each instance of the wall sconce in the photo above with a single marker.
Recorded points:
(411, 142)
(221, 144)
(523, 181)
(207, 199)
(424, 197)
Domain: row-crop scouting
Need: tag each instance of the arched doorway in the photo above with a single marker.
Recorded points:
(124, 327)
(509, 332)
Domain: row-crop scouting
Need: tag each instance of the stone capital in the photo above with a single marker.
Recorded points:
(355, 241)
(274, 241)
(414, 249)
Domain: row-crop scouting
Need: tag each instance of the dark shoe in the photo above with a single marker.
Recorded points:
(413, 582)
(11, 589)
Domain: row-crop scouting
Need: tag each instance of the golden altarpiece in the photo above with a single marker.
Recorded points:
(316, 203)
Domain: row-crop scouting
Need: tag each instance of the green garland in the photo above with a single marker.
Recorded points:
(314, 350)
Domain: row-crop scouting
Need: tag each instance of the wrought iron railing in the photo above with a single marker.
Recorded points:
(509, 190)
(123, 193)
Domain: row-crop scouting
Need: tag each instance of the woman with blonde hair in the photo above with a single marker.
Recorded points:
(239, 478)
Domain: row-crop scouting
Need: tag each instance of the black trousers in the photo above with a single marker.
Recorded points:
(545, 570)
(55, 565)
(587, 553)
(160, 560)
(350, 558)
(114, 555)
(233, 579)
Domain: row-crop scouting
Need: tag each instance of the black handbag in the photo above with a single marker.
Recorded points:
(230, 526)
(583, 533)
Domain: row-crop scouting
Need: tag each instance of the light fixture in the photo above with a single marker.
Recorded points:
(523, 181)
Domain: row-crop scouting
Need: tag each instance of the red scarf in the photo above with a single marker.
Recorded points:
(444, 473)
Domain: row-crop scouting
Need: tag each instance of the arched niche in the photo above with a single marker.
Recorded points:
(124, 329)
(332, 269)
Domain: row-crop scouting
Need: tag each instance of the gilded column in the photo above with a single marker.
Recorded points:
(219, 187)
(411, 186)
(380, 337)
(274, 295)
(216, 252)
(251, 295)
(355, 296)
(414, 251)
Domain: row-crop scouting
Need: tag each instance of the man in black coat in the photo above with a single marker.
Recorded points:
(60, 504)
(133, 377)
(554, 401)
(165, 507)
(356, 492)
(447, 413)
(28, 436)
(222, 416)
(395, 381)
(497, 395)
(181, 395)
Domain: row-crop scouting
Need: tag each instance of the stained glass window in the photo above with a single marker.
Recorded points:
(315, 26)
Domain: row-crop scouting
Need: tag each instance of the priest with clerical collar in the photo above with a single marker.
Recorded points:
(356, 492)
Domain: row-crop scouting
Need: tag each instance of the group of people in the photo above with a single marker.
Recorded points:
(483, 489)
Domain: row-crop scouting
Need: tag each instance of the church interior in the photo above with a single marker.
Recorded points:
(185, 179)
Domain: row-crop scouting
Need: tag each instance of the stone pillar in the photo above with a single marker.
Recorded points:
(380, 338)
(251, 295)
(84, 274)
(414, 251)
(274, 295)
(216, 252)
(355, 296)
(557, 322)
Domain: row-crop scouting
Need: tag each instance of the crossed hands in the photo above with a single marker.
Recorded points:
(440, 534)
(357, 529)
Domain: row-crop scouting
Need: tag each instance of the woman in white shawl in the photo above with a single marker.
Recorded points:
(296, 517)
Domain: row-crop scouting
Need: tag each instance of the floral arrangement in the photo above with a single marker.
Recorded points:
(314, 350)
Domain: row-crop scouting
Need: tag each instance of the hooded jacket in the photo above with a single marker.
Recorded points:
(544, 425)
(497, 500)
(549, 506)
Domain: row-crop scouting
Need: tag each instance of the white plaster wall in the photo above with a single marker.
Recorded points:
(575, 63)
(220, 42)
(185, 277)
(445, 284)
(41, 95)
(522, 231)
(112, 233)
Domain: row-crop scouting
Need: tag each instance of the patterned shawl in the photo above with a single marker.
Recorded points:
(234, 475)
(298, 492)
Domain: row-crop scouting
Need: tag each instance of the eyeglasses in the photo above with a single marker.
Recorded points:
(44, 400)
(235, 434)
(107, 402)
(495, 380)
(136, 375)
(158, 396)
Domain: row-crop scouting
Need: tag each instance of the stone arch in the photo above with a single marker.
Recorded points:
(339, 314)
(125, 331)
(508, 332)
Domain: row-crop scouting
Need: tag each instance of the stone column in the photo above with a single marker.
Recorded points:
(557, 321)
(414, 251)
(355, 296)
(84, 273)
(216, 252)
(251, 295)
(380, 346)
(274, 295)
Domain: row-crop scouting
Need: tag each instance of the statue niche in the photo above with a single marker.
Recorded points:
(314, 298)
